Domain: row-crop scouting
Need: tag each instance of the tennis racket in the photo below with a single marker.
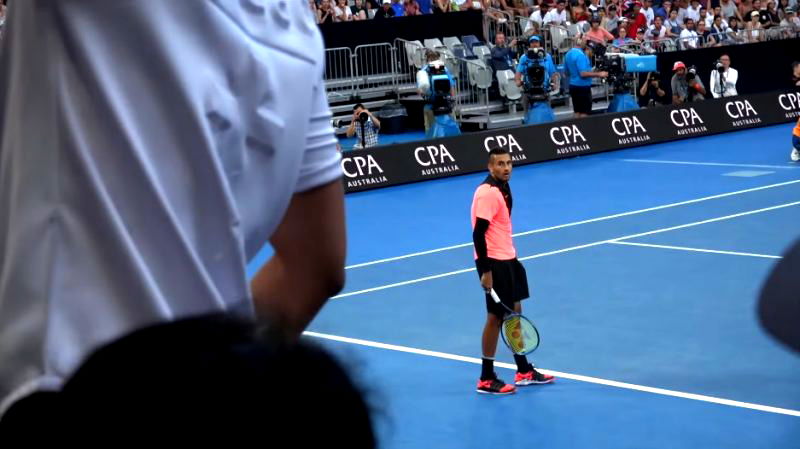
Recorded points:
(518, 332)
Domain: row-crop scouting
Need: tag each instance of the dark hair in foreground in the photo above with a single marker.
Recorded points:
(204, 379)
(496, 151)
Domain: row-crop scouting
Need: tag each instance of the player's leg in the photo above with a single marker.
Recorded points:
(488, 382)
(795, 148)
(526, 372)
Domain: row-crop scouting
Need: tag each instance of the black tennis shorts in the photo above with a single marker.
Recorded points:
(581, 98)
(510, 281)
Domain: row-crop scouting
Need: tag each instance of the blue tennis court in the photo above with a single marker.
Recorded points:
(645, 267)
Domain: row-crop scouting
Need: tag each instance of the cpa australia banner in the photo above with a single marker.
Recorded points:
(439, 158)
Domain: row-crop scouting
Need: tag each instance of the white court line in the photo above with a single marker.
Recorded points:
(698, 250)
(713, 164)
(571, 248)
(576, 223)
(578, 377)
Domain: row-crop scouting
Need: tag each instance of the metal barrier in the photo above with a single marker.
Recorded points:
(495, 20)
(472, 88)
(689, 42)
(783, 32)
(340, 74)
(409, 59)
(375, 69)
(560, 42)
(630, 47)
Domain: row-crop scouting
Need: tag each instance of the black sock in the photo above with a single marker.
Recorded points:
(487, 369)
(522, 363)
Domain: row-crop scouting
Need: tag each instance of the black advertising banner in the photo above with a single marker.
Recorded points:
(439, 158)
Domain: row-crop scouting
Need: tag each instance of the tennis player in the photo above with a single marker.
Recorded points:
(498, 268)
(795, 156)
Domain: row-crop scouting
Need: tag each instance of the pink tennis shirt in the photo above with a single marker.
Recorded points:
(489, 204)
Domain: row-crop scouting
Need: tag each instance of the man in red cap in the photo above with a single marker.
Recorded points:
(686, 86)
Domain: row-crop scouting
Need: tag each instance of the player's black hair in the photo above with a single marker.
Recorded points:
(496, 151)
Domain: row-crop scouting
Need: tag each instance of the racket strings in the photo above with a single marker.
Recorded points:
(520, 335)
(513, 332)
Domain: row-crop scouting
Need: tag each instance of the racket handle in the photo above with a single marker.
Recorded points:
(494, 296)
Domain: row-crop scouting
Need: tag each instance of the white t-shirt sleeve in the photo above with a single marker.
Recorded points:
(321, 158)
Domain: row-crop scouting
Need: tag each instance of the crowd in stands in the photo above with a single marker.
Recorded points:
(652, 24)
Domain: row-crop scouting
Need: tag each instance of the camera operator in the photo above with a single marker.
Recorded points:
(425, 86)
(532, 58)
(686, 85)
(796, 74)
(365, 126)
(723, 78)
(580, 72)
(650, 92)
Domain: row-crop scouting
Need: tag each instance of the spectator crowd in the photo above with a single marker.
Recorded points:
(654, 25)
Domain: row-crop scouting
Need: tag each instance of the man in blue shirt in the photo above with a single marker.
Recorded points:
(399, 9)
(502, 56)
(525, 62)
(663, 10)
(424, 6)
(580, 73)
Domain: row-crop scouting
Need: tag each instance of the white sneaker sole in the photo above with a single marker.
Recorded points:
(795, 156)
(495, 394)
(524, 383)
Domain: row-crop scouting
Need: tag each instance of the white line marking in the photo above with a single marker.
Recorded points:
(710, 220)
(577, 377)
(699, 250)
(576, 223)
(571, 248)
(712, 164)
(398, 284)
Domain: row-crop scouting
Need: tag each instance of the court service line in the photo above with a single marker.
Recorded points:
(698, 250)
(577, 377)
(571, 248)
(577, 223)
(712, 164)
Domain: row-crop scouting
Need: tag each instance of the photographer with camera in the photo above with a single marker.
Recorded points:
(579, 69)
(365, 126)
(650, 93)
(686, 85)
(723, 78)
